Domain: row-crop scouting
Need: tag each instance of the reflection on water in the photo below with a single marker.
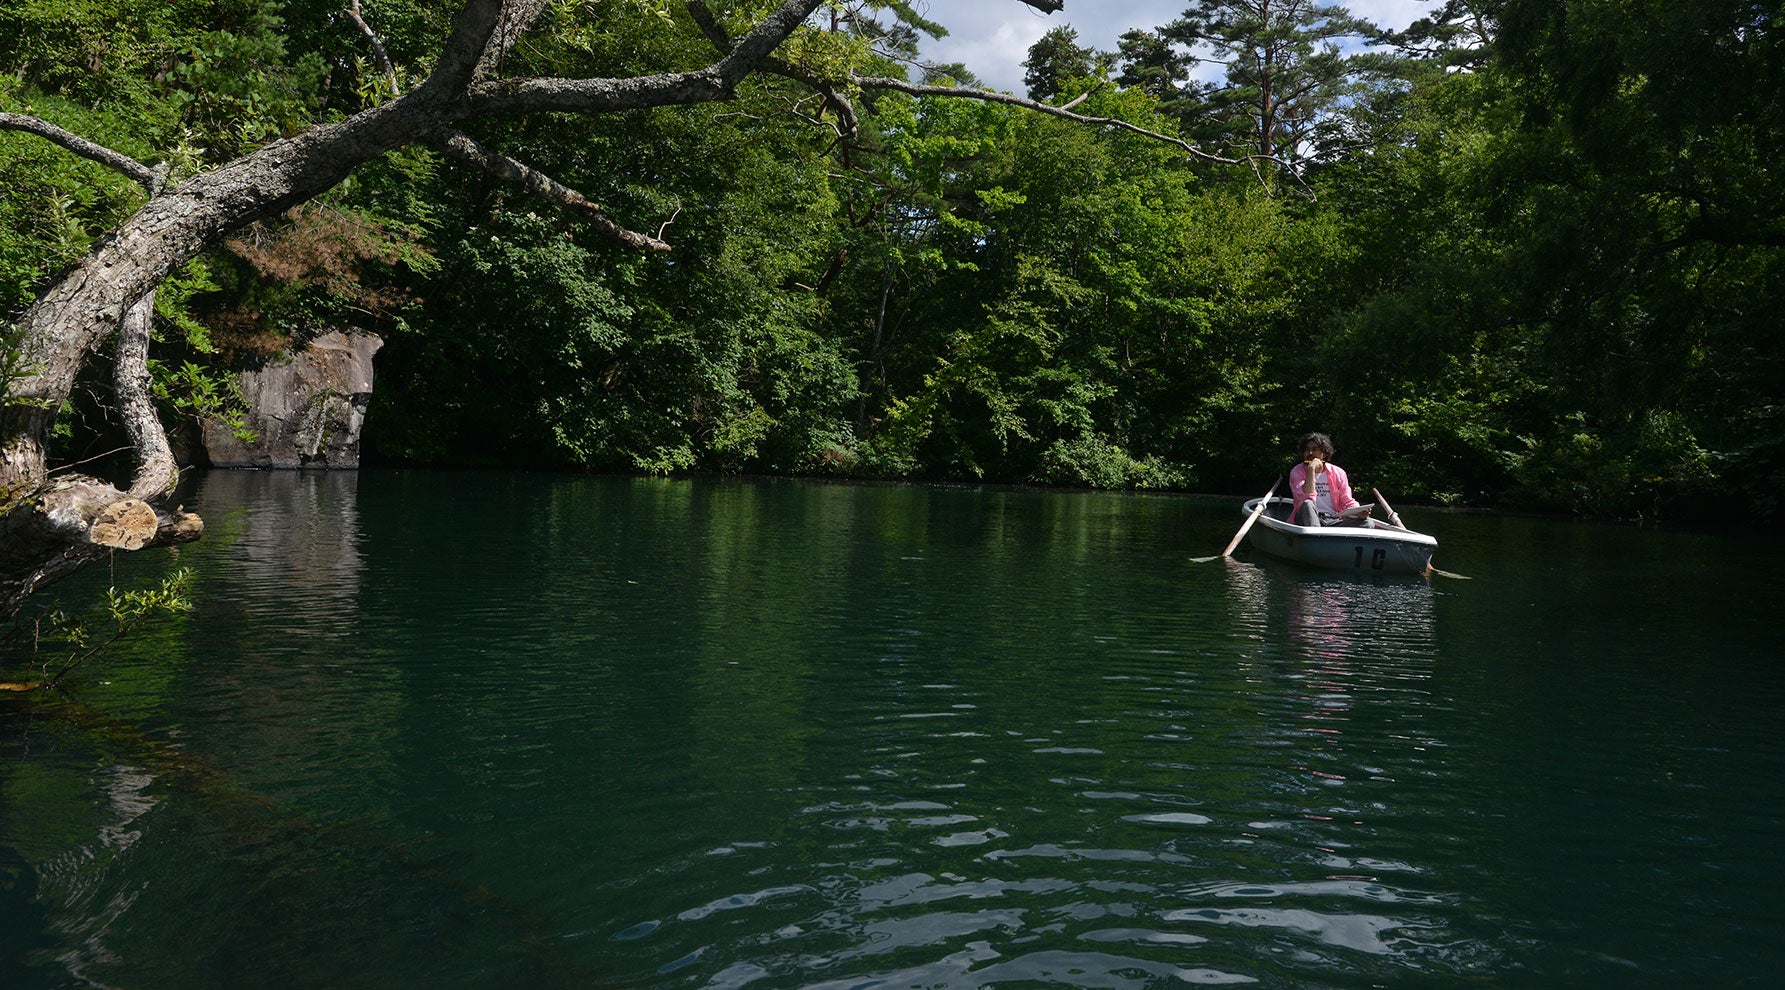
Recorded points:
(704, 734)
(1345, 637)
(70, 877)
(293, 539)
(292, 585)
(1336, 615)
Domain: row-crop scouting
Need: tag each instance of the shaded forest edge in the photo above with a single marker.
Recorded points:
(1523, 255)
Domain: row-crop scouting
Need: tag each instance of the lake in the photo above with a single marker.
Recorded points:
(506, 730)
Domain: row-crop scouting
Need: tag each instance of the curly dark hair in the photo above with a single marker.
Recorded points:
(1321, 440)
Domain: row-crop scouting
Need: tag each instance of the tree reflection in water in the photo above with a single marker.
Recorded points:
(1337, 637)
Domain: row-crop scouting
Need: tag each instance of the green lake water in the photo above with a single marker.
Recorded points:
(505, 730)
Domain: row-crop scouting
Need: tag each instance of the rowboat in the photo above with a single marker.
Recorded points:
(1366, 545)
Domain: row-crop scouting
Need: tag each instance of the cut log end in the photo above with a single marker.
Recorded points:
(71, 523)
(127, 524)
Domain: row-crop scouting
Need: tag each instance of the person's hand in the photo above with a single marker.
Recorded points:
(1314, 463)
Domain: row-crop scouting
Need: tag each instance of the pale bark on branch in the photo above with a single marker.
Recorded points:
(379, 55)
(156, 470)
(718, 81)
(516, 18)
(848, 124)
(129, 167)
(1064, 113)
(71, 521)
(462, 147)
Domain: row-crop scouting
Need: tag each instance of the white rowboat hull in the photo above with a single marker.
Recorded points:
(1375, 547)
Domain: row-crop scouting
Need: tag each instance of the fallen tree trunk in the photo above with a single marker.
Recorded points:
(69, 522)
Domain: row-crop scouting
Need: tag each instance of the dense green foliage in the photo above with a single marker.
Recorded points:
(1530, 255)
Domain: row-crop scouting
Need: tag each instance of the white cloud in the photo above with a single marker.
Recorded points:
(992, 37)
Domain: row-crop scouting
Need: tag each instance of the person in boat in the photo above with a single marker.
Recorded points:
(1322, 491)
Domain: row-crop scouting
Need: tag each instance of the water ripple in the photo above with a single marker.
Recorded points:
(1360, 932)
(738, 901)
(656, 734)
(974, 966)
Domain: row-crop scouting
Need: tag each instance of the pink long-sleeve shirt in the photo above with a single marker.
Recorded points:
(1332, 483)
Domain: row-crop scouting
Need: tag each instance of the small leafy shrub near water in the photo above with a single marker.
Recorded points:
(53, 643)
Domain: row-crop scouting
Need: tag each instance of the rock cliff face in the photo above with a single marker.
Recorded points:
(306, 406)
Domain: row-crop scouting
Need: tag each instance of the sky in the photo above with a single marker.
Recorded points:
(992, 37)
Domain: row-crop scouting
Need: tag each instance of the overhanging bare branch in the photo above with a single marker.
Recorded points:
(465, 149)
(517, 17)
(848, 124)
(988, 96)
(464, 50)
(763, 39)
(123, 164)
(383, 58)
(716, 82)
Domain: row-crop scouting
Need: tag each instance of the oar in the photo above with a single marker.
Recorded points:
(1237, 537)
(1394, 518)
